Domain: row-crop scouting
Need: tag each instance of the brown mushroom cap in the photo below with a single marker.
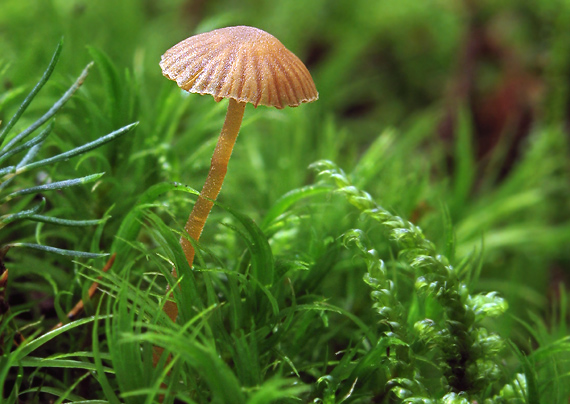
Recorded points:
(243, 63)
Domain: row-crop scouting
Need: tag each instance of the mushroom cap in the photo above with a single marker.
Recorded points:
(243, 63)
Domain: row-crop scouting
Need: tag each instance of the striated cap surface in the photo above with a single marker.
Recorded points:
(243, 63)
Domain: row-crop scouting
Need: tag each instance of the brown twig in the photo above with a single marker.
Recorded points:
(4, 305)
(92, 289)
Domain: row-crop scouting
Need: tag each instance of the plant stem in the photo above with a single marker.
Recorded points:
(212, 187)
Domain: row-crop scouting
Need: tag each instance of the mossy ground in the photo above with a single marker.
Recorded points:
(313, 284)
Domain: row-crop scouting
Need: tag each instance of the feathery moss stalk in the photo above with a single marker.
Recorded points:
(466, 352)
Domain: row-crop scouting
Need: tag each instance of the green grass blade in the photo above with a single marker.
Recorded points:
(97, 359)
(45, 77)
(51, 112)
(81, 149)
(464, 161)
(7, 170)
(29, 144)
(60, 251)
(290, 198)
(31, 345)
(30, 155)
(277, 389)
(14, 170)
(34, 362)
(449, 234)
(54, 186)
(374, 159)
(221, 380)
(131, 224)
(111, 80)
(55, 392)
(13, 397)
(127, 357)
(25, 214)
(187, 294)
(532, 382)
(263, 262)
(67, 222)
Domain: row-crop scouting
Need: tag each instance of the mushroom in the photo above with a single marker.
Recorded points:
(244, 64)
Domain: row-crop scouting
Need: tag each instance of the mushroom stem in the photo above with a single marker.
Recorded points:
(212, 187)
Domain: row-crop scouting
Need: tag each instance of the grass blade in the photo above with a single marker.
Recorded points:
(25, 214)
(45, 77)
(81, 149)
(31, 345)
(35, 141)
(34, 362)
(60, 251)
(67, 222)
(263, 262)
(54, 186)
(14, 170)
(289, 199)
(52, 111)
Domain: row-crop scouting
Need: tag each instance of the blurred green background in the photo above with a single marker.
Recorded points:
(441, 106)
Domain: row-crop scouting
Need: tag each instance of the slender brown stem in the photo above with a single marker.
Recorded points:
(211, 188)
(92, 289)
